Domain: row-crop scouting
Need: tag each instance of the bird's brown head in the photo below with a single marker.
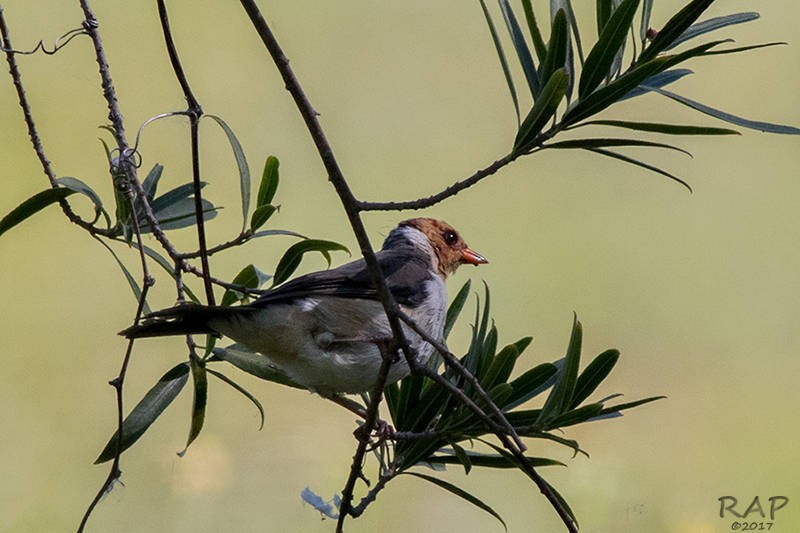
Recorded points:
(450, 249)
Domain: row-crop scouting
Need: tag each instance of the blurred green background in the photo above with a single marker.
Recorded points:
(700, 292)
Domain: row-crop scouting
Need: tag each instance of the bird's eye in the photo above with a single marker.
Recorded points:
(450, 237)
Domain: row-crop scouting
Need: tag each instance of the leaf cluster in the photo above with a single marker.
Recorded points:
(438, 429)
(568, 89)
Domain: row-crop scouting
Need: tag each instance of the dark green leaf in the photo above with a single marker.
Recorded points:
(166, 265)
(542, 111)
(254, 364)
(500, 393)
(150, 183)
(241, 163)
(659, 80)
(710, 25)
(455, 308)
(261, 215)
(243, 391)
(171, 197)
(603, 10)
(614, 91)
(269, 181)
(575, 416)
(647, 9)
(606, 142)
(521, 48)
(669, 129)
(533, 28)
(78, 186)
(674, 28)
(593, 375)
(502, 56)
(569, 443)
(461, 493)
(33, 205)
(566, 5)
(615, 155)
(181, 214)
(500, 368)
(200, 379)
(629, 405)
(556, 47)
(292, 257)
(727, 117)
(491, 461)
(137, 292)
(462, 457)
(560, 397)
(249, 277)
(744, 48)
(530, 384)
(602, 54)
(147, 410)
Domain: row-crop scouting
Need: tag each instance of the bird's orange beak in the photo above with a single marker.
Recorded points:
(472, 257)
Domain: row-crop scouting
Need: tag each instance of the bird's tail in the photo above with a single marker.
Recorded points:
(182, 319)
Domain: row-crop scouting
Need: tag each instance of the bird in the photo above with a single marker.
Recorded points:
(323, 329)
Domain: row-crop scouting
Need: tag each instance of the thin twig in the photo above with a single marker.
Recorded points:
(194, 112)
(450, 191)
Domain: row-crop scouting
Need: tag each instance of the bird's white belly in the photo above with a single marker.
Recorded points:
(329, 344)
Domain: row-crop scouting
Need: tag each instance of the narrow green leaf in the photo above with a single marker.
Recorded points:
(254, 364)
(738, 49)
(33, 205)
(674, 28)
(241, 163)
(168, 266)
(716, 23)
(566, 5)
(542, 111)
(621, 157)
(593, 375)
(602, 54)
(150, 183)
(462, 457)
(137, 292)
(243, 391)
(530, 384)
(292, 257)
(500, 368)
(269, 181)
(521, 48)
(249, 277)
(647, 10)
(561, 396)
(603, 10)
(502, 57)
(261, 215)
(461, 493)
(556, 47)
(614, 91)
(629, 405)
(606, 142)
(575, 416)
(492, 461)
(669, 129)
(500, 393)
(533, 28)
(181, 214)
(456, 307)
(200, 380)
(659, 80)
(80, 187)
(727, 117)
(147, 410)
(173, 196)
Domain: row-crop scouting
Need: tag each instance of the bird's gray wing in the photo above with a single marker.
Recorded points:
(405, 270)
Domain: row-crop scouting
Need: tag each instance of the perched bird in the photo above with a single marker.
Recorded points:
(322, 328)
